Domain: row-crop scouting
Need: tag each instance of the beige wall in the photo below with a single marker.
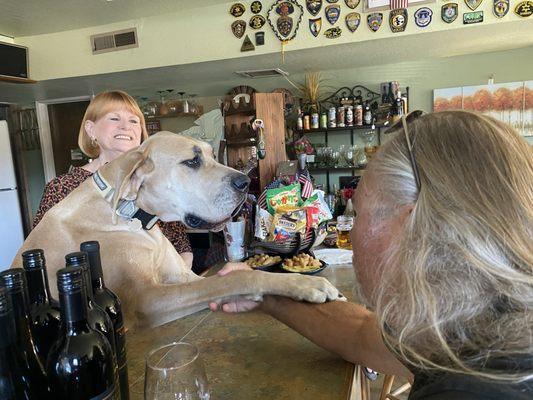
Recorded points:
(198, 35)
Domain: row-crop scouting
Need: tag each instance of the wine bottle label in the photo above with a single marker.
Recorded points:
(110, 394)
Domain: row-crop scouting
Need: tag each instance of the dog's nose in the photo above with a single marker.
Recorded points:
(240, 182)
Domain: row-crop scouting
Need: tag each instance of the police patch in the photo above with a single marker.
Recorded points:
(423, 17)
(374, 21)
(500, 8)
(398, 20)
(449, 12)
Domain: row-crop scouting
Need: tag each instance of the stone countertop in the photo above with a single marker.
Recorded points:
(251, 355)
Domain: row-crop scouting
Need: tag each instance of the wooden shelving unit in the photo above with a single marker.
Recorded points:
(239, 137)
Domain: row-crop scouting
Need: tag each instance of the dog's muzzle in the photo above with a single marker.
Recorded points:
(195, 222)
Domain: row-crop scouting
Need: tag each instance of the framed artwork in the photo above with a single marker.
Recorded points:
(380, 5)
(511, 102)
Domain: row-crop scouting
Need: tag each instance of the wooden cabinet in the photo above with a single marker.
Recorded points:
(240, 138)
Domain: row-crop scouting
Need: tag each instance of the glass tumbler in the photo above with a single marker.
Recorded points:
(175, 371)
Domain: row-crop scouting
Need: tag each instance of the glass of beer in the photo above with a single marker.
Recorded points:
(344, 226)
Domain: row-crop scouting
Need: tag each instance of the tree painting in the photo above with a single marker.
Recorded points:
(511, 102)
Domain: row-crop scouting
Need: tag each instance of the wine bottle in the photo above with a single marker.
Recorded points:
(80, 364)
(43, 315)
(109, 301)
(96, 316)
(31, 369)
(11, 385)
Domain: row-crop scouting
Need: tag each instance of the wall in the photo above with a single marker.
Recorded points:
(203, 34)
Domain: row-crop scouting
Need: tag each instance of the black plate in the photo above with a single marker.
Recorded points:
(313, 272)
(269, 268)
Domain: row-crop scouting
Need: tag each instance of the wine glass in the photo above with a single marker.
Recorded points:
(342, 151)
(334, 158)
(349, 155)
(175, 371)
(328, 151)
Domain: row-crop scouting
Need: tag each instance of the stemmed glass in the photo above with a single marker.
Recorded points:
(175, 371)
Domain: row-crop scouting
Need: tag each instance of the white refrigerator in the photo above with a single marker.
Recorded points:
(11, 231)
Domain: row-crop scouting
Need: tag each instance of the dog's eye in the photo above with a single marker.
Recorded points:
(193, 163)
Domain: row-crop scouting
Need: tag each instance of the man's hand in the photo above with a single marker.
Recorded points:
(239, 305)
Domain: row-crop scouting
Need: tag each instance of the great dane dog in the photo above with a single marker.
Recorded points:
(174, 178)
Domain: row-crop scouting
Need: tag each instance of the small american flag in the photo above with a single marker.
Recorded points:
(396, 4)
(307, 185)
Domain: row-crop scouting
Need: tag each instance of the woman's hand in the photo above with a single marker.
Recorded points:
(239, 305)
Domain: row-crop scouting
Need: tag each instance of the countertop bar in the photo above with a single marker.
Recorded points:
(252, 356)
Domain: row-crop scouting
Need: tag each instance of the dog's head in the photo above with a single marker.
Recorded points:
(177, 178)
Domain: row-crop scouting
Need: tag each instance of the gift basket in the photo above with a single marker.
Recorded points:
(290, 217)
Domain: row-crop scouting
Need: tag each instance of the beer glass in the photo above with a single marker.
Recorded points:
(344, 226)
(175, 371)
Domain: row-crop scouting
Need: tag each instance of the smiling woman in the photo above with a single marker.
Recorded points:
(112, 125)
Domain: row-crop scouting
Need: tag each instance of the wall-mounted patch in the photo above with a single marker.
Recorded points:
(315, 26)
(398, 20)
(352, 3)
(449, 12)
(237, 9)
(353, 20)
(257, 22)
(333, 12)
(524, 9)
(500, 8)
(423, 17)
(473, 4)
(474, 17)
(333, 33)
(247, 45)
(313, 6)
(256, 7)
(238, 28)
(374, 21)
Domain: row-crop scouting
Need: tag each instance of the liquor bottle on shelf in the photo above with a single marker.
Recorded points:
(31, 371)
(399, 105)
(96, 316)
(368, 118)
(12, 386)
(300, 121)
(81, 363)
(44, 315)
(109, 301)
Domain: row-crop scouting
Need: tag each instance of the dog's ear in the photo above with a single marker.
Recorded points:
(129, 173)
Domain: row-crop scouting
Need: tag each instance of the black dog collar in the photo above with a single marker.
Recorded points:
(126, 208)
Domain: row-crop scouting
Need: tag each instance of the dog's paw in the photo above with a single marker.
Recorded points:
(313, 289)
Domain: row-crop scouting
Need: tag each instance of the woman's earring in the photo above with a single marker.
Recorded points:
(94, 143)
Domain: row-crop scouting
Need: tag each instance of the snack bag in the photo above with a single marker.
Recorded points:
(317, 200)
(286, 225)
(283, 196)
(263, 221)
(312, 217)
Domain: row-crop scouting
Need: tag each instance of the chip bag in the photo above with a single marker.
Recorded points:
(317, 201)
(286, 225)
(283, 196)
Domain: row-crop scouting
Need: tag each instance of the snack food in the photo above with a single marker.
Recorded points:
(262, 260)
(286, 225)
(301, 263)
(283, 196)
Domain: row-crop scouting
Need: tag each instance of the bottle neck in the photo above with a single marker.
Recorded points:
(7, 330)
(73, 311)
(20, 313)
(38, 288)
(88, 284)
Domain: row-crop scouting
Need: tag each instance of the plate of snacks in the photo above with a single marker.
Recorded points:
(303, 263)
(264, 262)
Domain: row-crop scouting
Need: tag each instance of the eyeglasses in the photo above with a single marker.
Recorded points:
(408, 119)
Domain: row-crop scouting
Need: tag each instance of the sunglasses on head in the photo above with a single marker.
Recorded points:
(406, 119)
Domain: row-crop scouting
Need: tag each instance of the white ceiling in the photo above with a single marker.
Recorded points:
(25, 17)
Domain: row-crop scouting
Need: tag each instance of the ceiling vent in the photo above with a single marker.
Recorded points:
(114, 41)
(262, 73)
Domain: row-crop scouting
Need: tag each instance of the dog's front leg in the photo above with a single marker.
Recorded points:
(163, 303)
